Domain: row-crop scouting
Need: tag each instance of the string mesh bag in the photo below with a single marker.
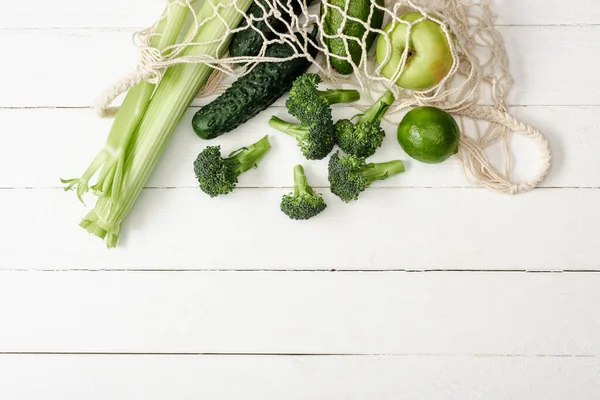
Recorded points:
(478, 73)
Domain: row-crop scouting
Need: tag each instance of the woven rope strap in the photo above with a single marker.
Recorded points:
(478, 167)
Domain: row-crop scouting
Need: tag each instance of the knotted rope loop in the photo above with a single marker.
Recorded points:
(479, 169)
(150, 69)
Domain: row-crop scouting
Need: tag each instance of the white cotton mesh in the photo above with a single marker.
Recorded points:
(479, 72)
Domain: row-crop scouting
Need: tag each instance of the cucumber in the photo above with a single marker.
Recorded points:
(333, 21)
(252, 93)
(249, 42)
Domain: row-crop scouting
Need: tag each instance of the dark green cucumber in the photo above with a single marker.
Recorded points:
(251, 93)
(333, 22)
(249, 42)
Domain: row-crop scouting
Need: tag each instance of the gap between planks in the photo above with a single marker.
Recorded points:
(314, 270)
(528, 356)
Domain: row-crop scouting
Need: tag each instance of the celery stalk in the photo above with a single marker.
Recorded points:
(128, 118)
(173, 95)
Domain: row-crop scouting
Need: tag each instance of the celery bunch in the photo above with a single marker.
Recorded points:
(150, 113)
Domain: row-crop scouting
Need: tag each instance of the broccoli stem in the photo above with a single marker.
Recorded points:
(300, 184)
(295, 130)
(248, 157)
(334, 96)
(374, 172)
(377, 111)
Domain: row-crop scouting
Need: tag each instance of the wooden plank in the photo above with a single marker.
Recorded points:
(75, 377)
(75, 14)
(79, 65)
(437, 313)
(140, 13)
(545, 12)
(85, 62)
(78, 134)
(417, 229)
(543, 74)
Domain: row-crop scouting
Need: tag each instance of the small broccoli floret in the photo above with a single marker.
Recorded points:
(361, 140)
(218, 175)
(366, 136)
(307, 103)
(350, 175)
(315, 140)
(303, 203)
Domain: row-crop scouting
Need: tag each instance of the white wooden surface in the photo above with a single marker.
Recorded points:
(425, 289)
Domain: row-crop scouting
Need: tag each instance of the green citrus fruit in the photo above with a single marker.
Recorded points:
(429, 134)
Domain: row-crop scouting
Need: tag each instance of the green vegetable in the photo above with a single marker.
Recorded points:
(315, 140)
(350, 175)
(303, 203)
(366, 136)
(112, 158)
(144, 124)
(309, 104)
(217, 175)
(249, 41)
(334, 24)
(251, 93)
(312, 107)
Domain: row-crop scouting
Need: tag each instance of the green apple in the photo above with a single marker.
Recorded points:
(429, 55)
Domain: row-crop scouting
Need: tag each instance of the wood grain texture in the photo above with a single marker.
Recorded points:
(416, 229)
(141, 13)
(86, 62)
(76, 377)
(432, 313)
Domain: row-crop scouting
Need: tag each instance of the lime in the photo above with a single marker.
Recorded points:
(429, 134)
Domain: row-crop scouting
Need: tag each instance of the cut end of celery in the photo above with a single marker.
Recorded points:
(112, 240)
(93, 225)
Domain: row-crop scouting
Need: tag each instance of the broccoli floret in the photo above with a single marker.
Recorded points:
(366, 136)
(218, 175)
(315, 133)
(303, 203)
(309, 104)
(350, 175)
(315, 140)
